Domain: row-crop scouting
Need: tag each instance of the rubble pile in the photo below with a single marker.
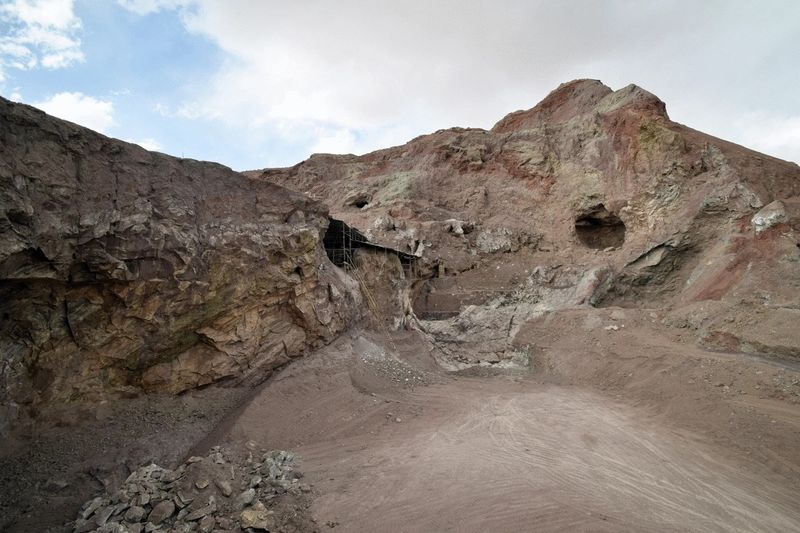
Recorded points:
(205, 494)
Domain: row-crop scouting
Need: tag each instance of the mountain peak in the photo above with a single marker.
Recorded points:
(580, 97)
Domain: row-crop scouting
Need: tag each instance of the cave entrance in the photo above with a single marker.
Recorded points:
(341, 241)
(598, 228)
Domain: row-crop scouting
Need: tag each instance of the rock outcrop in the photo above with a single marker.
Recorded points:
(124, 270)
(590, 180)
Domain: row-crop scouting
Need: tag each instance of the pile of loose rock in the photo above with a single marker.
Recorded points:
(205, 494)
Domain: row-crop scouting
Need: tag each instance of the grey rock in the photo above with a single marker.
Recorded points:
(182, 500)
(245, 498)
(204, 511)
(161, 512)
(104, 514)
(224, 487)
(207, 524)
(91, 507)
(135, 514)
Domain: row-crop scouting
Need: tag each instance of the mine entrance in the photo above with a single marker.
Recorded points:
(599, 228)
(341, 241)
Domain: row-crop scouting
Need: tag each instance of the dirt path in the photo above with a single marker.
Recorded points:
(497, 453)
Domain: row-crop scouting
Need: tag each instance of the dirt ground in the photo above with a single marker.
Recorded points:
(512, 451)
(626, 429)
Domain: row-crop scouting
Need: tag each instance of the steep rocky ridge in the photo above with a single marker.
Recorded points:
(124, 270)
(600, 189)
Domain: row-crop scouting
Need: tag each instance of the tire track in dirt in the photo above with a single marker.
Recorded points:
(554, 461)
(501, 453)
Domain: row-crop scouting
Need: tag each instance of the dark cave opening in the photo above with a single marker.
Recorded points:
(341, 240)
(598, 228)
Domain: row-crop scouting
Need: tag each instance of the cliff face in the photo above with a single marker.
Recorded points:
(592, 196)
(124, 270)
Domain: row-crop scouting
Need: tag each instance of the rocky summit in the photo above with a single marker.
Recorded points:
(582, 319)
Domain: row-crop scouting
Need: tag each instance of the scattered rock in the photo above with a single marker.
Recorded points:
(204, 511)
(258, 518)
(246, 498)
(224, 487)
(161, 512)
(206, 525)
(151, 495)
(135, 514)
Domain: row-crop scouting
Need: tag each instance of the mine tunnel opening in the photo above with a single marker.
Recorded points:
(599, 228)
(341, 241)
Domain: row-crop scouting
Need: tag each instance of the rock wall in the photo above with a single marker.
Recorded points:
(385, 289)
(123, 270)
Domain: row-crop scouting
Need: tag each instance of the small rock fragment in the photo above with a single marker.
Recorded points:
(204, 511)
(207, 524)
(104, 514)
(135, 514)
(224, 487)
(92, 507)
(161, 512)
(258, 518)
(245, 498)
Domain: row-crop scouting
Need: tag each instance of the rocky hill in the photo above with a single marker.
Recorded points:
(588, 300)
(123, 270)
(593, 196)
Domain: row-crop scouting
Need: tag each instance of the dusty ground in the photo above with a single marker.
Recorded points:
(521, 451)
(625, 429)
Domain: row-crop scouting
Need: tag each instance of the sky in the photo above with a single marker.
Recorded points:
(255, 84)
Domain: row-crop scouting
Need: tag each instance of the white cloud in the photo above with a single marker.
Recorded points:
(341, 141)
(770, 134)
(79, 108)
(39, 33)
(349, 74)
(145, 7)
(149, 144)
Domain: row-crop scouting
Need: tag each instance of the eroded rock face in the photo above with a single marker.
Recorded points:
(590, 179)
(124, 270)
